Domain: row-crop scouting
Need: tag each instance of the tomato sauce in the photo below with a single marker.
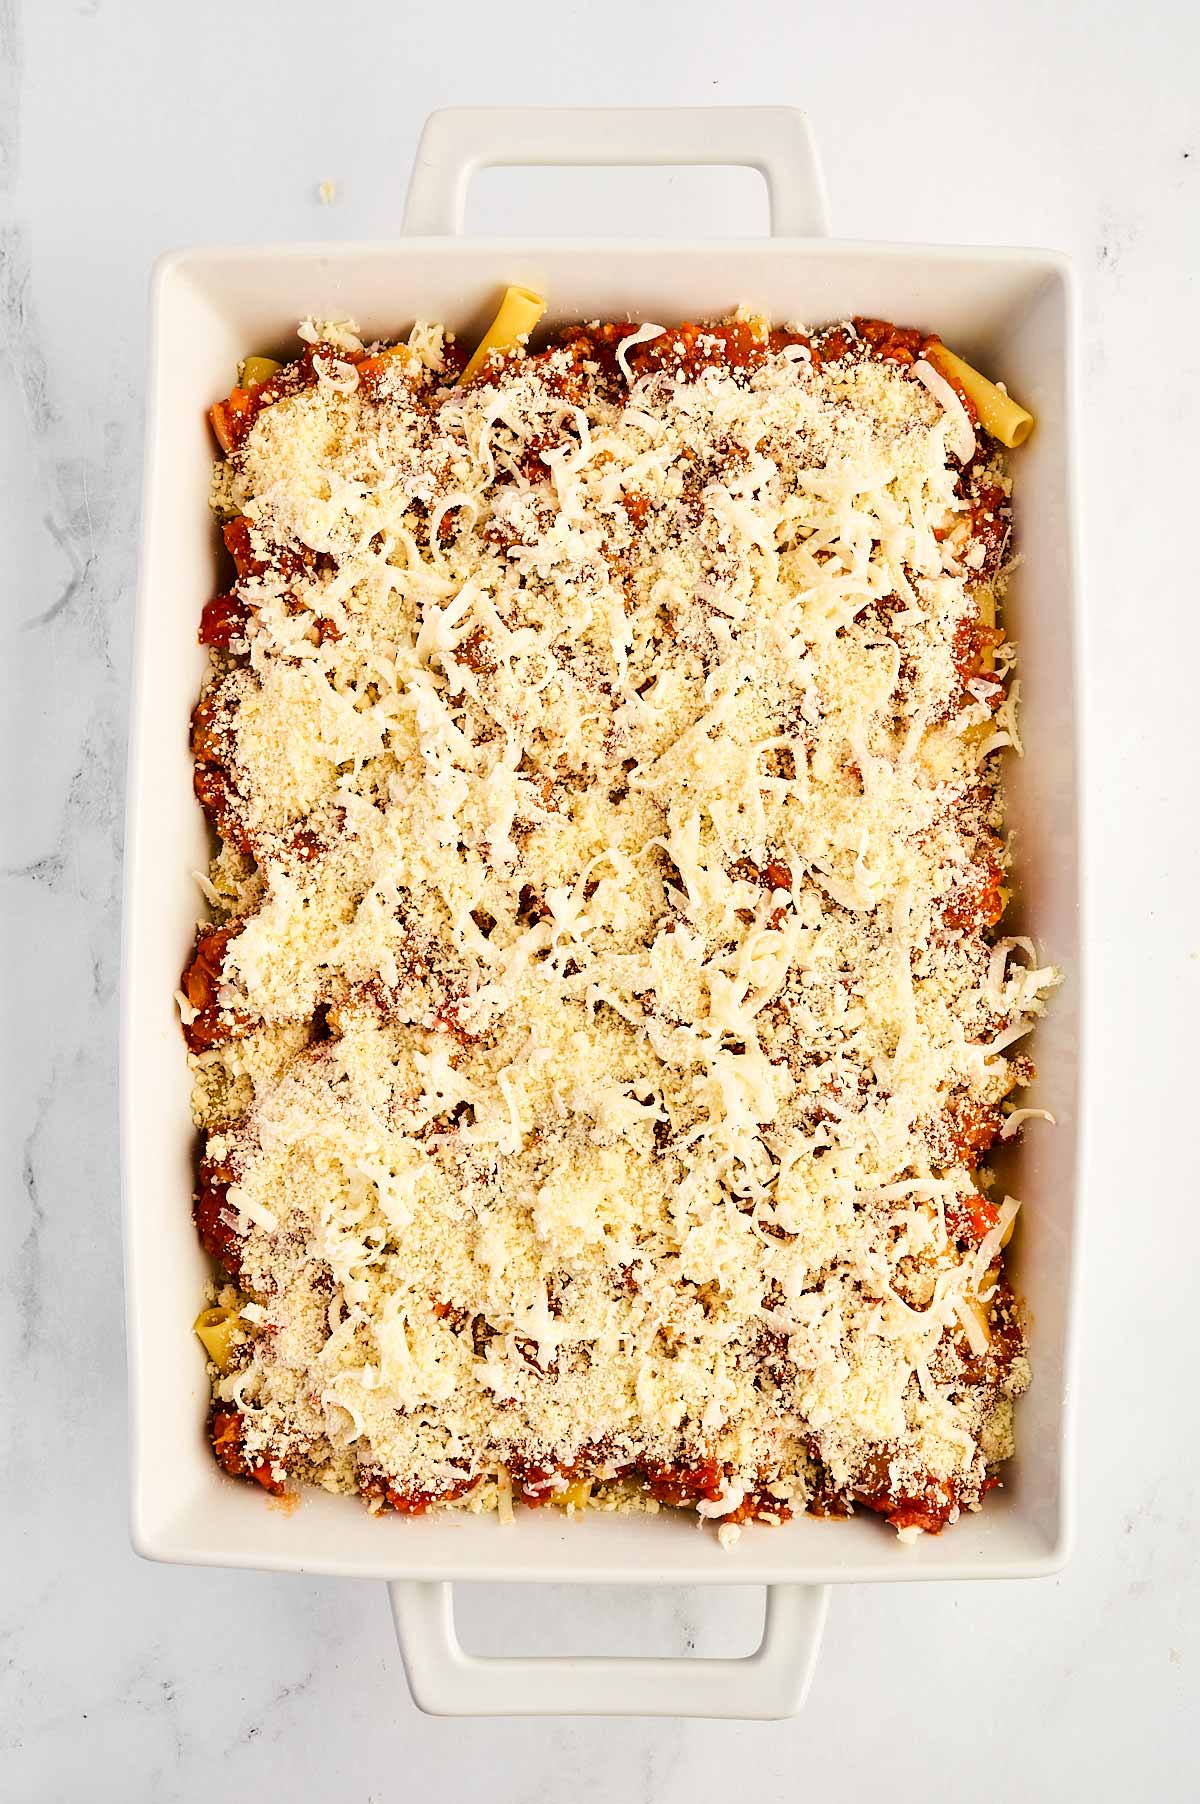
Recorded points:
(990, 516)
(236, 534)
(414, 1502)
(226, 1433)
(927, 1503)
(893, 344)
(756, 1505)
(201, 983)
(212, 779)
(967, 1130)
(683, 1485)
(978, 901)
(973, 639)
(970, 1217)
(210, 1209)
(691, 349)
(772, 875)
(222, 620)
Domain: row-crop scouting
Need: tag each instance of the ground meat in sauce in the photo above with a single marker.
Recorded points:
(226, 1431)
(215, 1221)
(386, 1495)
(222, 621)
(201, 984)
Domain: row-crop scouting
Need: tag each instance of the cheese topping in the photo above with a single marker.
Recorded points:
(611, 974)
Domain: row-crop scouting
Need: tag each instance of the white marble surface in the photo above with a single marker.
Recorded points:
(128, 127)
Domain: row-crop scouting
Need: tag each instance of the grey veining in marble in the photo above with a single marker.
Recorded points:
(125, 128)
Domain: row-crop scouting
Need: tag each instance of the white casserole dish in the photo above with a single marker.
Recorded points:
(1012, 312)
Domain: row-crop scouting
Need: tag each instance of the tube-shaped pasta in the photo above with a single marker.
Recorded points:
(257, 369)
(518, 313)
(220, 1333)
(998, 412)
(987, 613)
(575, 1496)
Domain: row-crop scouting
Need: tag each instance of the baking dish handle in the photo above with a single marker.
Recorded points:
(445, 1680)
(775, 140)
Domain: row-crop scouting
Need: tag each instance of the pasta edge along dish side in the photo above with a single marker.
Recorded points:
(596, 1072)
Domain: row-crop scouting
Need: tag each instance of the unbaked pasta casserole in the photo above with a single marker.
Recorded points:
(604, 1013)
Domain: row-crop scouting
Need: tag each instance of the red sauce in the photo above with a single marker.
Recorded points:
(226, 1433)
(678, 1485)
(971, 1217)
(475, 651)
(536, 1485)
(414, 1502)
(928, 1504)
(201, 982)
(968, 1129)
(1006, 1342)
(232, 418)
(212, 779)
(972, 639)
(304, 843)
(882, 339)
(755, 1505)
(288, 562)
(976, 902)
(529, 461)
(688, 349)
(991, 524)
(372, 370)
(222, 620)
(598, 345)
(928, 1511)
(224, 617)
(831, 345)
(562, 377)
(682, 1485)
(894, 344)
(772, 875)
(236, 535)
(214, 791)
(210, 1210)
(826, 1499)
(691, 349)
(208, 719)
(779, 339)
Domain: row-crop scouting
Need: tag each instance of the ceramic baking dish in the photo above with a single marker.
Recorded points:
(1009, 311)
